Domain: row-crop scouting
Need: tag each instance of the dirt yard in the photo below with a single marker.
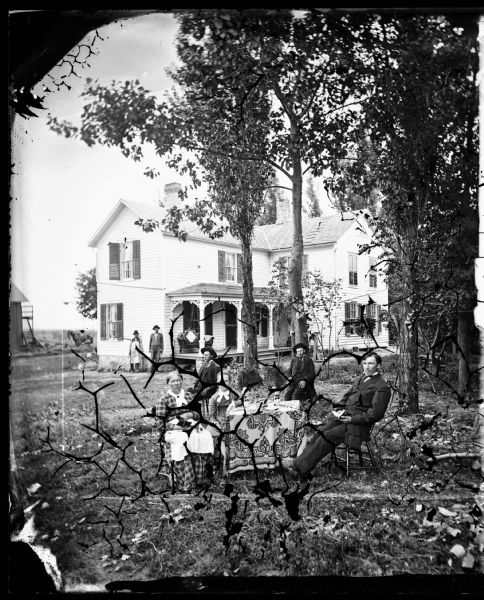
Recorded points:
(106, 515)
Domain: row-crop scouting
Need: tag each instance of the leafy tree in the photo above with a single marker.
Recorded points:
(269, 209)
(314, 210)
(420, 152)
(87, 294)
(290, 78)
(322, 299)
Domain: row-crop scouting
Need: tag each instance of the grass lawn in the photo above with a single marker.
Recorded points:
(107, 515)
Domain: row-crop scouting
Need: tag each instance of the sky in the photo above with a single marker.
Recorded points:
(61, 189)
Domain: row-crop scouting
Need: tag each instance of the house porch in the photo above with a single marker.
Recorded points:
(210, 314)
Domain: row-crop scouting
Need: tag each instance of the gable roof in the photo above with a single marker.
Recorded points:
(316, 231)
(143, 211)
(15, 294)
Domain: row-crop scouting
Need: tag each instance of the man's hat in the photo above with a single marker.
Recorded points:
(156, 327)
(135, 332)
(209, 349)
(300, 345)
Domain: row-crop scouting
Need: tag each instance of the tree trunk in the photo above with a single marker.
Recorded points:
(408, 339)
(295, 263)
(248, 306)
(465, 322)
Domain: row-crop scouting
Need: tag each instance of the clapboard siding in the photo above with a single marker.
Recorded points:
(168, 264)
(122, 228)
(140, 309)
(143, 299)
(349, 243)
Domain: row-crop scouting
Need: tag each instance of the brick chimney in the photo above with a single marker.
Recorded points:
(283, 210)
(170, 195)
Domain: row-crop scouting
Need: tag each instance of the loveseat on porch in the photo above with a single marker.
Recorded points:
(188, 341)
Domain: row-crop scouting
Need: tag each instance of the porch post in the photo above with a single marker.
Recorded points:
(271, 328)
(239, 327)
(201, 341)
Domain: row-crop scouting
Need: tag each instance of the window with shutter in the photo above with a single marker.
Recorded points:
(112, 321)
(352, 316)
(136, 259)
(230, 266)
(103, 321)
(114, 261)
(221, 265)
(347, 318)
(239, 268)
(120, 321)
(353, 269)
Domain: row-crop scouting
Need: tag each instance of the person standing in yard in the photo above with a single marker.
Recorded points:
(362, 405)
(208, 378)
(187, 445)
(301, 375)
(156, 346)
(135, 357)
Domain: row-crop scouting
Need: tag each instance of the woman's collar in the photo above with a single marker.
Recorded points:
(180, 393)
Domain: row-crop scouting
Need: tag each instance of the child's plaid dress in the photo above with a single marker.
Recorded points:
(192, 470)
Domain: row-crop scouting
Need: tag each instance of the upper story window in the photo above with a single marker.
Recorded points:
(229, 267)
(353, 269)
(372, 273)
(125, 260)
(283, 262)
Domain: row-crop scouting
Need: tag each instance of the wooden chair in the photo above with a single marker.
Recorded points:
(351, 459)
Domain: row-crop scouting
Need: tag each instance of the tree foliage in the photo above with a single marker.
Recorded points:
(417, 146)
(313, 208)
(290, 79)
(87, 294)
(322, 298)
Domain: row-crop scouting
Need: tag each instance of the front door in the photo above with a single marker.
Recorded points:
(230, 325)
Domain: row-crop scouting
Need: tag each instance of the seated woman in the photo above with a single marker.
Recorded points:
(187, 446)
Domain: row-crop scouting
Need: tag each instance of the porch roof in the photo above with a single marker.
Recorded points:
(217, 290)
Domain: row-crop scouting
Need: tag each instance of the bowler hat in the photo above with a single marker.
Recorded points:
(156, 327)
(209, 349)
(300, 345)
(135, 332)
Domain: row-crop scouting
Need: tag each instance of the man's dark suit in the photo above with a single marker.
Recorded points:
(366, 401)
(208, 373)
(301, 369)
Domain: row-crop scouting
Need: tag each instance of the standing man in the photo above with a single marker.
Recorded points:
(301, 375)
(156, 346)
(362, 405)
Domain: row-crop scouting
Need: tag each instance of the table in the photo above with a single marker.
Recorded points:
(277, 430)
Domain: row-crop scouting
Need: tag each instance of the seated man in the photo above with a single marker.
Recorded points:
(301, 375)
(364, 404)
